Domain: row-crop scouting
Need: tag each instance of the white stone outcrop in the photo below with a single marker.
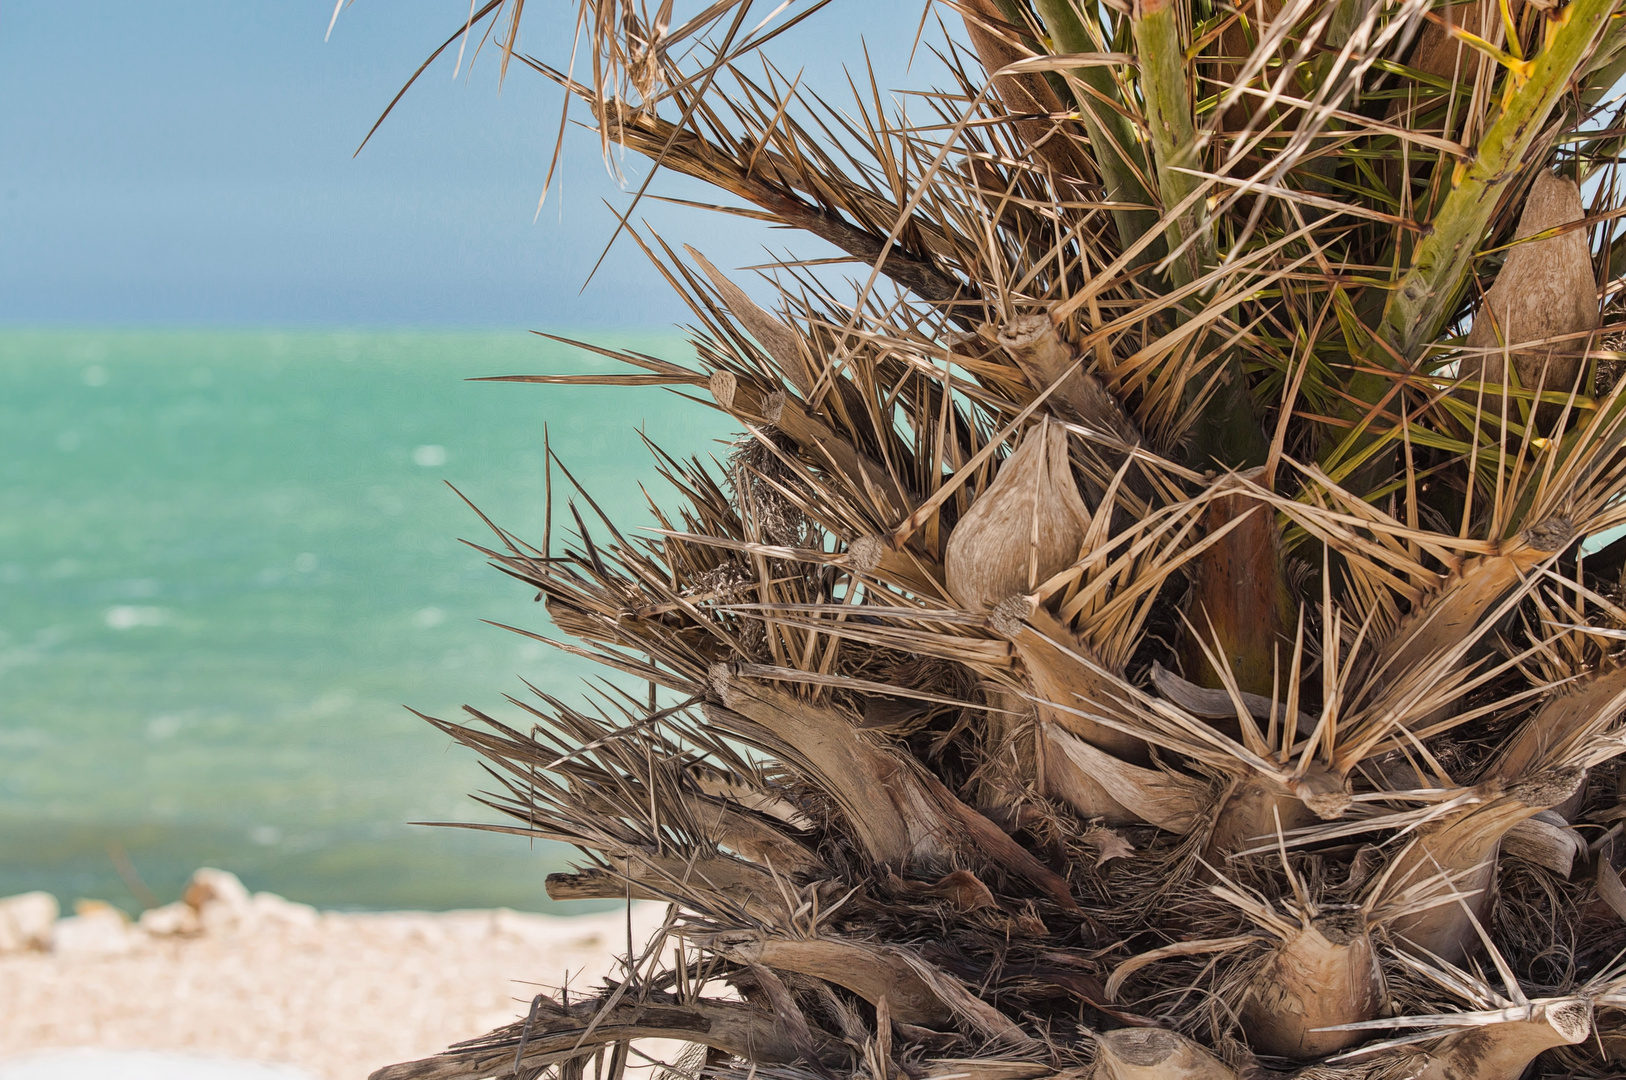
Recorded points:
(215, 902)
(97, 929)
(210, 886)
(269, 908)
(179, 919)
(222, 902)
(26, 921)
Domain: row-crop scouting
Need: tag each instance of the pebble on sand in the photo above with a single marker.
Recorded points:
(97, 929)
(26, 921)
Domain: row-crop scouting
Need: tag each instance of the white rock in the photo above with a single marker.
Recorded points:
(171, 920)
(26, 921)
(98, 930)
(226, 919)
(210, 887)
(271, 908)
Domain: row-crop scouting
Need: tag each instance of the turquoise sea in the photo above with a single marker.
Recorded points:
(229, 559)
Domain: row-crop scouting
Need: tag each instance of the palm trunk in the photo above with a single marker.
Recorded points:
(1237, 605)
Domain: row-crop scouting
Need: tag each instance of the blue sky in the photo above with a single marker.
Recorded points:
(181, 162)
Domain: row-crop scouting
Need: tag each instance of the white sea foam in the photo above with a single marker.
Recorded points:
(131, 616)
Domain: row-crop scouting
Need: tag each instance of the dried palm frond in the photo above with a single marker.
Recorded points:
(1145, 624)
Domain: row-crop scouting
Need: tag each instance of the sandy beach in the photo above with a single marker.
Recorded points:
(335, 995)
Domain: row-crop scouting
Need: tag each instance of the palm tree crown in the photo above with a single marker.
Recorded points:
(1153, 619)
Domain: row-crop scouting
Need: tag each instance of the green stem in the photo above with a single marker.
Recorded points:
(1173, 133)
(1428, 292)
(1116, 151)
(1427, 295)
(1227, 433)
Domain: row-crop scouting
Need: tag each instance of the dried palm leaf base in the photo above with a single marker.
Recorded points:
(1027, 526)
(1254, 810)
(556, 1033)
(1505, 1051)
(1096, 784)
(1455, 860)
(1325, 974)
(1543, 291)
(1155, 1054)
(1487, 1046)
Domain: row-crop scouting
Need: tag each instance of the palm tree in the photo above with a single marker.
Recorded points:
(1159, 619)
